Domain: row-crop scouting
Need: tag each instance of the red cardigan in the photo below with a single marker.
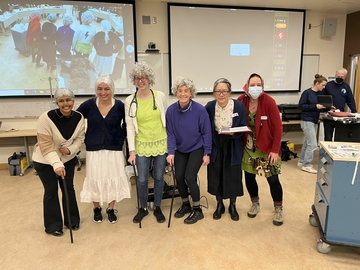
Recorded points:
(33, 34)
(268, 124)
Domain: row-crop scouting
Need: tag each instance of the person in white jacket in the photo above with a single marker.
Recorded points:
(147, 137)
(60, 133)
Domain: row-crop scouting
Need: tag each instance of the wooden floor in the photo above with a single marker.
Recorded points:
(209, 244)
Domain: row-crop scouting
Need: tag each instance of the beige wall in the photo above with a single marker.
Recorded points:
(330, 50)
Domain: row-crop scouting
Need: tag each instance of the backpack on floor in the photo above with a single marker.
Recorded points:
(286, 153)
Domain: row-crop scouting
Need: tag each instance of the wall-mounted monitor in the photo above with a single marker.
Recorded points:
(209, 42)
(47, 45)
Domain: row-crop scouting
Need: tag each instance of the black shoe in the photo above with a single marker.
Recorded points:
(56, 233)
(233, 213)
(220, 209)
(184, 209)
(97, 215)
(74, 227)
(195, 215)
(143, 212)
(112, 218)
(160, 218)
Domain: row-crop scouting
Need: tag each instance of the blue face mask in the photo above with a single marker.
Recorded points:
(255, 91)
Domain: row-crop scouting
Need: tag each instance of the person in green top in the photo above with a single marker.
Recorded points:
(147, 138)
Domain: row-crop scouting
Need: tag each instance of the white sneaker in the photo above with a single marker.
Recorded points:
(299, 164)
(309, 169)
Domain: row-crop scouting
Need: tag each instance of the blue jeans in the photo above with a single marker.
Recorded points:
(310, 144)
(143, 167)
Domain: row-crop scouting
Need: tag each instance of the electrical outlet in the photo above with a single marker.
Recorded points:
(154, 20)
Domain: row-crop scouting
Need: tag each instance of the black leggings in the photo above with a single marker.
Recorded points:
(274, 183)
(187, 166)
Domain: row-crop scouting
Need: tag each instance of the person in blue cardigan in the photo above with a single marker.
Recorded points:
(189, 145)
(106, 181)
(309, 122)
(224, 171)
(342, 96)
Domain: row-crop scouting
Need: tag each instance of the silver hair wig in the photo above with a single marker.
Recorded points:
(142, 68)
(181, 81)
(35, 13)
(63, 92)
(87, 17)
(222, 80)
(107, 80)
(67, 20)
(51, 17)
(105, 25)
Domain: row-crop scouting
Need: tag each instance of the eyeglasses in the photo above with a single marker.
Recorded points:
(138, 79)
(217, 92)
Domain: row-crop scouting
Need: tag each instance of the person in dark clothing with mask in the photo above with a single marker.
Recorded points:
(342, 95)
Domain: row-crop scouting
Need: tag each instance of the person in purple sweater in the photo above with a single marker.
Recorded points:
(189, 145)
(64, 37)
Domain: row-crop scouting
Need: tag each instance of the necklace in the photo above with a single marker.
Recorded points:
(185, 110)
(61, 115)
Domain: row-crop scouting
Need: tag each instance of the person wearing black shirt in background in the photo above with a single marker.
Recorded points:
(342, 95)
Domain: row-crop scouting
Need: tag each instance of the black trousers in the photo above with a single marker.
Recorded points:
(187, 166)
(274, 183)
(51, 206)
(329, 127)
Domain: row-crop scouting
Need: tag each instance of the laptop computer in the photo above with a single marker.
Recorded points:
(325, 100)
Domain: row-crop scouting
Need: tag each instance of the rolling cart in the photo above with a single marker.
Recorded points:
(337, 196)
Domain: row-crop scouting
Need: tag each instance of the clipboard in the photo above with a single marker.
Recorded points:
(234, 130)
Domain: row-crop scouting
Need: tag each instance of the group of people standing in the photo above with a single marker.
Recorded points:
(185, 135)
(48, 42)
(311, 109)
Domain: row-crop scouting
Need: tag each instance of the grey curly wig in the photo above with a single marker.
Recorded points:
(142, 68)
(181, 81)
(87, 17)
(67, 20)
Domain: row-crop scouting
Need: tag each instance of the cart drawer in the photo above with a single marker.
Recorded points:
(325, 161)
(325, 186)
(321, 205)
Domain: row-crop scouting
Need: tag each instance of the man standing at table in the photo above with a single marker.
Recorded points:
(342, 95)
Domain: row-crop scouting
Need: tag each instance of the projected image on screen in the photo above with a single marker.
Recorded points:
(57, 44)
(209, 42)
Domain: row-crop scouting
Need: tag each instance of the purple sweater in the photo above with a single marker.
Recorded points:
(188, 130)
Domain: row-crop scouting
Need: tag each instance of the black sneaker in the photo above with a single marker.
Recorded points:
(184, 209)
(143, 212)
(97, 215)
(195, 215)
(160, 218)
(112, 218)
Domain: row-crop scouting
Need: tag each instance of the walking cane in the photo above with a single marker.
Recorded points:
(67, 207)
(137, 192)
(173, 195)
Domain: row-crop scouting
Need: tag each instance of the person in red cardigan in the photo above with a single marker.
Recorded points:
(262, 154)
(33, 37)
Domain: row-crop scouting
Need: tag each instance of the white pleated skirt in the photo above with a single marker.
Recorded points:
(105, 179)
